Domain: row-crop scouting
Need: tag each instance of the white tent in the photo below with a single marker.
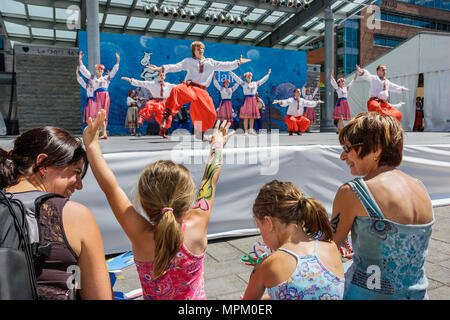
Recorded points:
(427, 53)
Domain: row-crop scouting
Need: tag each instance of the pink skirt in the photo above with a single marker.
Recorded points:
(249, 109)
(225, 111)
(102, 102)
(341, 111)
(90, 110)
(310, 114)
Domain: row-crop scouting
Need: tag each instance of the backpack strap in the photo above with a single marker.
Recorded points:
(32, 201)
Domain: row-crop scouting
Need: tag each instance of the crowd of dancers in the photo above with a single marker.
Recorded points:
(167, 99)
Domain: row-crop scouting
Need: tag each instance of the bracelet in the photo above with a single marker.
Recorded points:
(216, 145)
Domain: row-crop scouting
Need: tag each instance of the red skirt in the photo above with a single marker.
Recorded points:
(382, 107)
(225, 111)
(102, 102)
(419, 118)
(90, 110)
(249, 109)
(310, 114)
(296, 124)
(341, 110)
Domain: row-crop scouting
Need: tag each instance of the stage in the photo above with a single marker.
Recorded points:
(310, 161)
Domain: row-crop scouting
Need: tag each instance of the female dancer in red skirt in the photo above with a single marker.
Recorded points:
(101, 84)
(90, 109)
(249, 110)
(379, 91)
(200, 71)
(225, 111)
(159, 90)
(294, 119)
(341, 110)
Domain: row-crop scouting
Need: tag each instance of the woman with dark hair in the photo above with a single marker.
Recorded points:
(388, 212)
(51, 160)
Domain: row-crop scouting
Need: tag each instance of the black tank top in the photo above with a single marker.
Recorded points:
(52, 275)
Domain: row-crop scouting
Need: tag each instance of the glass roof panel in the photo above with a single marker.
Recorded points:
(116, 20)
(179, 26)
(124, 2)
(218, 30)
(42, 32)
(253, 34)
(9, 6)
(66, 34)
(159, 24)
(236, 33)
(16, 28)
(199, 28)
(136, 22)
(40, 11)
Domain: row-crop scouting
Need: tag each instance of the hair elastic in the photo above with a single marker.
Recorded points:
(166, 209)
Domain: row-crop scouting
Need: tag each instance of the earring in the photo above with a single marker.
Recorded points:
(375, 158)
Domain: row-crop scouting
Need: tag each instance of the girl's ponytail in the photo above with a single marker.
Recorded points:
(314, 218)
(168, 240)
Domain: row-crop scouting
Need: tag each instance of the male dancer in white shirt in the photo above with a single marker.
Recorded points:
(294, 119)
(200, 71)
(159, 90)
(379, 91)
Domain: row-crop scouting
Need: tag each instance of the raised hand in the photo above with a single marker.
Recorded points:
(118, 57)
(80, 57)
(154, 68)
(319, 101)
(243, 60)
(90, 133)
(270, 71)
(220, 134)
(126, 79)
(276, 101)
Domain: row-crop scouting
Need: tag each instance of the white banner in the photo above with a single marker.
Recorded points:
(316, 169)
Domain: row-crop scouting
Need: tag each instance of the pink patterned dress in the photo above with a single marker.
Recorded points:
(183, 281)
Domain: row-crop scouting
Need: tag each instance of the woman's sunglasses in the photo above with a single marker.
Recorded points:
(348, 148)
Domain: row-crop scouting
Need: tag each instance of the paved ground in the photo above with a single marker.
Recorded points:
(226, 277)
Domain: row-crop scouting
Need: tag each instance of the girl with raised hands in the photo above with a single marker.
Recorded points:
(169, 243)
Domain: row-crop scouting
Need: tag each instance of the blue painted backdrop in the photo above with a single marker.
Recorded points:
(288, 71)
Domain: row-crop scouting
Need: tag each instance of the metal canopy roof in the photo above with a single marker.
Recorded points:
(257, 23)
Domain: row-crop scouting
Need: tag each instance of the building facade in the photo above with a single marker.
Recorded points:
(359, 41)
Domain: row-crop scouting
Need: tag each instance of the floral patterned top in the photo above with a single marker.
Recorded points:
(389, 257)
(309, 281)
(183, 280)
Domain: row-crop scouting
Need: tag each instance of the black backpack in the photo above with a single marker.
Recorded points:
(21, 253)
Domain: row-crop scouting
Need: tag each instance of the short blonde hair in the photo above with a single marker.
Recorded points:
(374, 130)
(194, 45)
(165, 184)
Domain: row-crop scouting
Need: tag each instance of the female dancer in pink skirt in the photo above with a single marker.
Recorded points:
(225, 111)
(101, 84)
(249, 110)
(341, 110)
(309, 112)
(90, 109)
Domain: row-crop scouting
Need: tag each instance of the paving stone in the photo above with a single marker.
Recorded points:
(224, 285)
(441, 293)
(222, 251)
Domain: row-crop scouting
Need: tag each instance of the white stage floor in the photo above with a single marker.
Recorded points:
(310, 161)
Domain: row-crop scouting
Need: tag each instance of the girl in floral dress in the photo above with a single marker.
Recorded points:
(306, 264)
